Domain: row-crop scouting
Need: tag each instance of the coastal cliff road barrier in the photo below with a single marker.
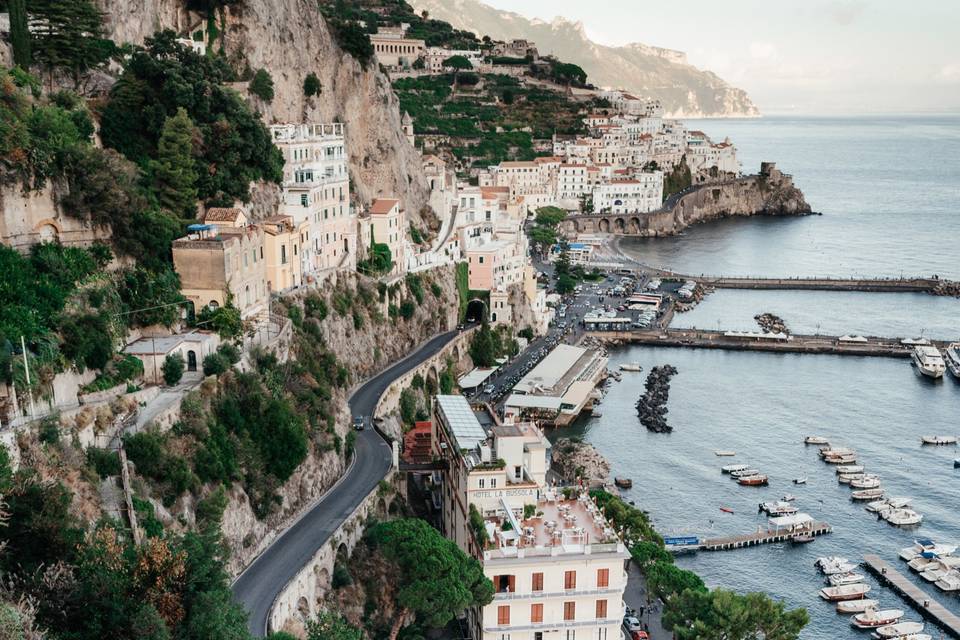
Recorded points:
(703, 339)
(264, 579)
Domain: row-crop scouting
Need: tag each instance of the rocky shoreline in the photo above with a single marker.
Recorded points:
(770, 323)
(576, 461)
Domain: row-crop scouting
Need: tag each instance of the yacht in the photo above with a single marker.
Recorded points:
(929, 361)
(938, 439)
(951, 357)
(925, 547)
(815, 440)
(871, 618)
(867, 494)
(856, 606)
(730, 468)
(845, 592)
(898, 630)
(840, 579)
(949, 581)
(902, 517)
(779, 508)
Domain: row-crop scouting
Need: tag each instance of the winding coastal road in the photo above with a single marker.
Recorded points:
(258, 586)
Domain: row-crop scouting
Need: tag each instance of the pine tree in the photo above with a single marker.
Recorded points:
(19, 33)
(68, 34)
(174, 171)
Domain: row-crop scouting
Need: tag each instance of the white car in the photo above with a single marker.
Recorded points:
(632, 624)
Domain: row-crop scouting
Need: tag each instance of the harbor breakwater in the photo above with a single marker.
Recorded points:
(769, 193)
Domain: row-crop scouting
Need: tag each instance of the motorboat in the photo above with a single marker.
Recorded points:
(928, 361)
(843, 458)
(871, 618)
(803, 480)
(723, 453)
(938, 439)
(940, 568)
(950, 581)
(850, 468)
(802, 538)
(730, 468)
(867, 494)
(840, 579)
(815, 440)
(788, 497)
(744, 472)
(847, 478)
(902, 517)
(835, 451)
(951, 357)
(779, 508)
(856, 606)
(914, 636)
(832, 565)
(899, 630)
(925, 547)
(631, 366)
(877, 505)
(921, 564)
(845, 592)
(866, 482)
(956, 463)
(753, 481)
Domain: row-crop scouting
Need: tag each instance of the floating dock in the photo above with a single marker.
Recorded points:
(762, 537)
(917, 597)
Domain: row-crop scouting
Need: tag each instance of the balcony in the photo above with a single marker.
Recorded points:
(565, 593)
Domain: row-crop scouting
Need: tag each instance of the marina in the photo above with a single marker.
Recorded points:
(918, 598)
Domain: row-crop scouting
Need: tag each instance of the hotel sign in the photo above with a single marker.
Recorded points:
(505, 493)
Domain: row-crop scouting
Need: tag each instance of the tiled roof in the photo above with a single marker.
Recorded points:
(222, 214)
(383, 206)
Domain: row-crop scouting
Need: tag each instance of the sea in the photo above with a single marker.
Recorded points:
(889, 192)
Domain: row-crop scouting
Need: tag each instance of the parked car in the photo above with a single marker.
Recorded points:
(632, 624)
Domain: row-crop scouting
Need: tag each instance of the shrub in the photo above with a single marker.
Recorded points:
(436, 289)
(262, 85)
(173, 367)
(407, 309)
(106, 463)
(49, 430)
(215, 364)
(311, 85)
(229, 351)
(315, 307)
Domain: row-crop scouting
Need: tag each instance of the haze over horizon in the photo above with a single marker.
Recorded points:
(865, 57)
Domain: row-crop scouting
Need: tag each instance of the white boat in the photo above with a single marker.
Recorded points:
(788, 497)
(840, 579)
(631, 366)
(856, 606)
(925, 547)
(929, 361)
(940, 568)
(730, 468)
(845, 592)
(847, 478)
(949, 581)
(842, 458)
(867, 494)
(938, 439)
(802, 480)
(951, 357)
(902, 517)
(815, 440)
(921, 564)
(743, 473)
(724, 453)
(835, 451)
(866, 482)
(838, 565)
(871, 618)
(914, 636)
(850, 468)
(899, 629)
(779, 508)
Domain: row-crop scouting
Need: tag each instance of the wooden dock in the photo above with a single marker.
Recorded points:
(762, 537)
(917, 597)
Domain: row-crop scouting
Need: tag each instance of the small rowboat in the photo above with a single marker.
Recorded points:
(753, 481)
(723, 453)
(726, 509)
(845, 592)
(815, 440)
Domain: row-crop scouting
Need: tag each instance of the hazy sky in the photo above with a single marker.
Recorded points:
(806, 56)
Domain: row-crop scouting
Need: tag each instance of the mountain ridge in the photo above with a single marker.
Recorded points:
(684, 90)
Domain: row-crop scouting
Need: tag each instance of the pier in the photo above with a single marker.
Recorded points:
(917, 597)
(763, 537)
(875, 285)
(706, 339)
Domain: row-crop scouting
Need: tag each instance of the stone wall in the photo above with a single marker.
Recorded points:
(29, 217)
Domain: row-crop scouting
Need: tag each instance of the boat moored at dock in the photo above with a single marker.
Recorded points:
(951, 357)
(928, 361)
(778, 508)
(856, 606)
(845, 592)
(871, 618)
(898, 630)
(902, 517)
(840, 579)
(832, 565)
(867, 494)
(949, 581)
(926, 548)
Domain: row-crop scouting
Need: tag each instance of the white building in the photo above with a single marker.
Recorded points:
(640, 194)
(556, 565)
(316, 190)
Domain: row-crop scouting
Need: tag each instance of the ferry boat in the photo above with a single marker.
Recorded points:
(778, 508)
(938, 439)
(949, 581)
(753, 481)
(840, 579)
(925, 547)
(929, 361)
(723, 453)
(631, 366)
(902, 517)
(898, 630)
(856, 606)
(730, 468)
(845, 592)
(951, 357)
(871, 618)
(867, 494)
(815, 440)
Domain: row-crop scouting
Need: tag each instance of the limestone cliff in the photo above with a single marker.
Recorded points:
(290, 39)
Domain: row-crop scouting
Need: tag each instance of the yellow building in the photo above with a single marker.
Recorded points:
(388, 226)
(215, 263)
(282, 243)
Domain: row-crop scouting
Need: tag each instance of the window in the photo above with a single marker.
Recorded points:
(493, 483)
(569, 610)
(537, 582)
(283, 254)
(304, 200)
(482, 482)
(601, 609)
(481, 259)
(570, 580)
(603, 577)
(503, 614)
(536, 613)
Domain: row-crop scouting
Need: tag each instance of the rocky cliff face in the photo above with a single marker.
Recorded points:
(684, 90)
(290, 39)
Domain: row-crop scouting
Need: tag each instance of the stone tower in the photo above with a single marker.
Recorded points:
(407, 125)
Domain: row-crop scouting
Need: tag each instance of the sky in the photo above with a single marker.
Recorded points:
(794, 56)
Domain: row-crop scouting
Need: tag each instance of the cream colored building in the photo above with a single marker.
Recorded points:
(216, 263)
(556, 565)
(394, 49)
(316, 190)
(282, 242)
(388, 226)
